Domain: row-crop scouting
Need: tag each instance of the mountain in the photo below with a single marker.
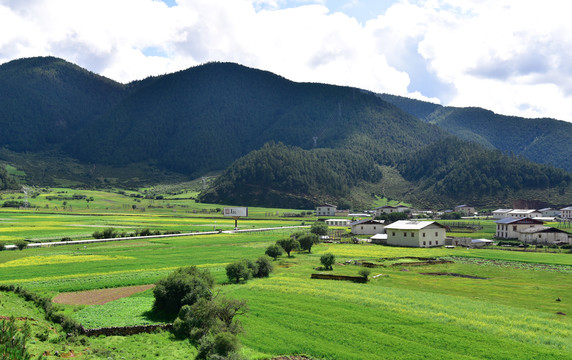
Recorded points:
(277, 142)
(546, 141)
(45, 101)
(202, 119)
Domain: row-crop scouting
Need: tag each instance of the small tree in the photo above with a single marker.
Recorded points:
(21, 244)
(328, 260)
(274, 251)
(307, 241)
(264, 267)
(364, 273)
(238, 270)
(288, 245)
(319, 228)
(185, 286)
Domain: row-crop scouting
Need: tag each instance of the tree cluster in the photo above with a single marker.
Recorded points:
(246, 269)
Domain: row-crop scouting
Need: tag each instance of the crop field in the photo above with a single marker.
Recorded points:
(512, 313)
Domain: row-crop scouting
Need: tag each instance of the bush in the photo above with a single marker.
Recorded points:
(2, 246)
(185, 286)
(21, 244)
(274, 251)
(328, 260)
(364, 273)
(288, 245)
(66, 238)
(239, 270)
(265, 267)
(307, 241)
(319, 228)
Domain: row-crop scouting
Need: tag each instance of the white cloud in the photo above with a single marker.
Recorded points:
(512, 57)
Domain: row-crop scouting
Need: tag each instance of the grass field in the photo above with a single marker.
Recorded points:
(402, 314)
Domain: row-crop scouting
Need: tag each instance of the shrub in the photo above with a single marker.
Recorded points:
(328, 260)
(274, 251)
(185, 286)
(21, 244)
(239, 270)
(364, 273)
(307, 241)
(288, 245)
(66, 238)
(264, 267)
(2, 246)
(319, 228)
(13, 341)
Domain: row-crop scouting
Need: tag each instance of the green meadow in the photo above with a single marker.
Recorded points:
(400, 314)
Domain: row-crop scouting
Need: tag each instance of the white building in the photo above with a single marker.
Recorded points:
(470, 242)
(501, 213)
(465, 209)
(367, 227)
(544, 235)
(549, 212)
(338, 222)
(388, 209)
(326, 210)
(415, 233)
(523, 213)
(510, 228)
(566, 212)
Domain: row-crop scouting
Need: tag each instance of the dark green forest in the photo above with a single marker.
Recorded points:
(6, 181)
(277, 142)
(545, 141)
(280, 175)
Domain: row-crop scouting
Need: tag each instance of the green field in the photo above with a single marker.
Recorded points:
(402, 314)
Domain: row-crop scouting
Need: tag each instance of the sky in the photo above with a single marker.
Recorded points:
(513, 57)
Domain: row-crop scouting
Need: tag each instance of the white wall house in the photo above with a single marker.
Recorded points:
(566, 212)
(549, 212)
(388, 209)
(523, 213)
(415, 233)
(465, 209)
(501, 213)
(326, 210)
(544, 235)
(510, 228)
(367, 227)
(338, 222)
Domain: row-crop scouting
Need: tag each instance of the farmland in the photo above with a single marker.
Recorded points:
(511, 305)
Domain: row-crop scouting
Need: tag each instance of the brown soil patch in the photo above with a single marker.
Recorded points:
(98, 297)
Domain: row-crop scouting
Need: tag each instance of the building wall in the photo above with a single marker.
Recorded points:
(512, 231)
(340, 222)
(427, 237)
(544, 238)
(567, 214)
(368, 229)
(325, 211)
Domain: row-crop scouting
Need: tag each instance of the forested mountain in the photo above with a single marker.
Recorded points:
(6, 181)
(287, 143)
(203, 118)
(285, 176)
(545, 141)
(45, 101)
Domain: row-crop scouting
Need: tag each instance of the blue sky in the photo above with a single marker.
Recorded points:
(508, 56)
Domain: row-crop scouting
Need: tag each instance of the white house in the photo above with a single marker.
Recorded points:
(566, 212)
(523, 213)
(509, 228)
(465, 209)
(388, 209)
(544, 235)
(549, 212)
(338, 222)
(415, 233)
(326, 210)
(501, 213)
(367, 227)
(470, 242)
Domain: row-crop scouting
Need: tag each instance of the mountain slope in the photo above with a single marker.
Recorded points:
(546, 141)
(204, 118)
(44, 101)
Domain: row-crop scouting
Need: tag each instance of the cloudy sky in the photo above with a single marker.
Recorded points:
(511, 56)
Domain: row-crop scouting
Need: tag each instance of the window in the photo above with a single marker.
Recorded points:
(514, 228)
(404, 234)
(393, 233)
(424, 243)
(362, 227)
(429, 242)
(436, 242)
(423, 234)
(374, 228)
(412, 234)
(436, 233)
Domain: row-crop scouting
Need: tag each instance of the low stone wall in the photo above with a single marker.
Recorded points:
(126, 330)
(357, 279)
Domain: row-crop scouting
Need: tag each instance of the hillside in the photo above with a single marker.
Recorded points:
(546, 141)
(203, 118)
(45, 101)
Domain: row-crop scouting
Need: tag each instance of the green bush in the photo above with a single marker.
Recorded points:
(264, 267)
(274, 251)
(239, 270)
(307, 241)
(185, 286)
(364, 273)
(288, 244)
(21, 244)
(328, 260)
(13, 341)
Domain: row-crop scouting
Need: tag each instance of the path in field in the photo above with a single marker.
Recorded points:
(98, 297)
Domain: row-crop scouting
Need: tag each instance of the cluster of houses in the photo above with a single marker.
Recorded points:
(524, 225)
